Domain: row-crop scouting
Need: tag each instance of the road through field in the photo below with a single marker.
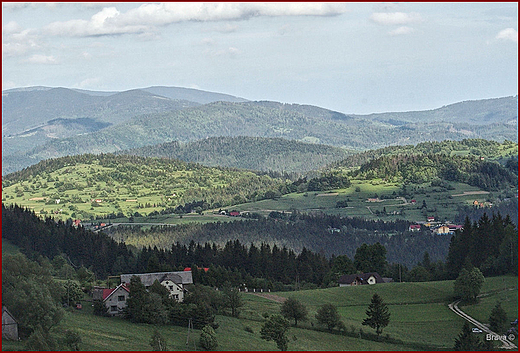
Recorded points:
(502, 338)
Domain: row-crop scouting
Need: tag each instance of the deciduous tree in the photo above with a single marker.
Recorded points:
(327, 315)
(275, 329)
(294, 309)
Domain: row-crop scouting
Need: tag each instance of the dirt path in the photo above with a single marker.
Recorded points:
(270, 296)
(472, 193)
(502, 338)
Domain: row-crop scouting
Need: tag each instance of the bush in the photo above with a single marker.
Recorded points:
(208, 339)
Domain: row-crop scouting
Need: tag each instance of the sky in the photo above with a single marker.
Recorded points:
(356, 58)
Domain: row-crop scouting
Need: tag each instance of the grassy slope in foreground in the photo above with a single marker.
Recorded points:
(420, 318)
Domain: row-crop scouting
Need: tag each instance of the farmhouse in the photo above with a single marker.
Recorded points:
(442, 230)
(360, 279)
(9, 325)
(454, 227)
(115, 299)
(414, 227)
(175, 282)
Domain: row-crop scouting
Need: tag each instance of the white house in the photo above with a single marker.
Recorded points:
(115, 299)
(175, 282)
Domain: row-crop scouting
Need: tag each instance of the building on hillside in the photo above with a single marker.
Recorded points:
(115, 298)
(414, 227)
(454, 227)
(430, 219)
(175, 282)
(234, 214)
(360, 279)
(206, 269)
(9, 325)
(442, 230)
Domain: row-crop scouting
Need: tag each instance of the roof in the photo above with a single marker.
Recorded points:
(5, 311)
(147, 279)
(206, 269)
(112, 291)
(362, 277)
(414, 226)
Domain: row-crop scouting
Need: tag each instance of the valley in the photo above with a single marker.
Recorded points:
(281, 198)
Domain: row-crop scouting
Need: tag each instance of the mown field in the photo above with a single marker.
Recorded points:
(420, 320)
(85, 190)
(440, 202)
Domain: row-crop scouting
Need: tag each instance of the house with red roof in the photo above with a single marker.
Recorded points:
(113, 298)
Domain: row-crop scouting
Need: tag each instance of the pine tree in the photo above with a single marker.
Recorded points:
(498, 319)
(378, 314)
(467, 341)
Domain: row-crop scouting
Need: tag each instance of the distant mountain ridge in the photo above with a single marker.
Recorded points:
(60, 122)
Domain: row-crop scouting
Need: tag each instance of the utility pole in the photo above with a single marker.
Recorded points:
(190, 327)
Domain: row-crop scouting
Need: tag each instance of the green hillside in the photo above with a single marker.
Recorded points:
(90, 185)
(253, 153)
(490, 150)
(420, 320)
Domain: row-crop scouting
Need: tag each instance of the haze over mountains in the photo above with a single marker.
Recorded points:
(41, 122)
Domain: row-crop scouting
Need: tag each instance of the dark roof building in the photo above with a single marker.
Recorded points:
(360, 279)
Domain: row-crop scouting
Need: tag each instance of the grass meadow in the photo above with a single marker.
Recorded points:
(420, 320)
(441, 203)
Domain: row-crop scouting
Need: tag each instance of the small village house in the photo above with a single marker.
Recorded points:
(443, 230)
(360, 279)
(115, 299)
(9, 325)
(175, 282)
(414, 227)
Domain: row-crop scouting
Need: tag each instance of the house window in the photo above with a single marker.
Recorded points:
(121, 298)
(176, 296)
(171, 287)
(113, 308)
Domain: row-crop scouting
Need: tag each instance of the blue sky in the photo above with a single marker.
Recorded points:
(350, 57)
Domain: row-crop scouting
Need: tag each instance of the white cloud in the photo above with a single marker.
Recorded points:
(17, 41)
(11, 27)
(508, 34)
(42, 59)
(395, 18)
(110, 21)
(105, 22)
(402, 31)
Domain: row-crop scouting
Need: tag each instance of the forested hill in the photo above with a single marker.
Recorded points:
(419, 169)
(489, 150)
(268, 119)
(253, 153)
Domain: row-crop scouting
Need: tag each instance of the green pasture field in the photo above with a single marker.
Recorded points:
(441, 203)
(75, 194)
(420, 319)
